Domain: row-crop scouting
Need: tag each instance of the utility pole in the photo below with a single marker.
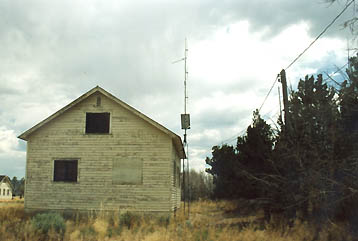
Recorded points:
(285, 100)
(279, 101)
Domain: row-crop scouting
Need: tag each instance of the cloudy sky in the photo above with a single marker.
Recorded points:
(54, 51)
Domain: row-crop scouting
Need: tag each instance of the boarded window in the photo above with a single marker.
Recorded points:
(98, 103)
(65, 171)
(97, 122)
(127, 171)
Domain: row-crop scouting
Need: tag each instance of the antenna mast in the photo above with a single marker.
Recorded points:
(185, 125)
(185, 77)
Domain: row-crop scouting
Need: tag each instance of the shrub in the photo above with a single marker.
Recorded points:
(47, 221)
(164, 221)
(201, 235)
(88, 233)
(127, 219)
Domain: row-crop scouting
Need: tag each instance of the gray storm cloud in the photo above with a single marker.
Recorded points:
(53, 51)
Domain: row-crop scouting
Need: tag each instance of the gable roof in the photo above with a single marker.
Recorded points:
(4, 178)
(175, 138)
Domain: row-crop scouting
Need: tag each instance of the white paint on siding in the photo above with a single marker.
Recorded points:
(6, 191)
(130, 136)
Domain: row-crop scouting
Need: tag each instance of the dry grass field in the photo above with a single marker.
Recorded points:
(208, 221)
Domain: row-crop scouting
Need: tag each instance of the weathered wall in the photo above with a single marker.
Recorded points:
(130, 137)
(5, 196)
(175, 180)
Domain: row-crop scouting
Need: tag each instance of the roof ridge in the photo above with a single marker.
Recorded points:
(28, 132)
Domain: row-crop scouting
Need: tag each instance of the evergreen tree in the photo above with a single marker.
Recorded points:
(310, 168)
(15, 185)
(254, 152)
(223, 169)
(305, 156)
(240, 172)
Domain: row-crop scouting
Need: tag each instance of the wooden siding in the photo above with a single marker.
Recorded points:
(130, 137)
(5, 191)
(175, 180)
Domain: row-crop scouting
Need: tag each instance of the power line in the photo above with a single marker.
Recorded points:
(329, 76)
(268, 114)
(324, 30)
(309, 46)
(234, 137)
(273, 84)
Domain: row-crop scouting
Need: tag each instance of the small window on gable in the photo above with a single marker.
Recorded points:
(97, 123)
(65, 171)
(98, 103)
(8, 192)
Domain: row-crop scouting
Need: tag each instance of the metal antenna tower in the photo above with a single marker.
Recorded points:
(185, 125)
(187, 121)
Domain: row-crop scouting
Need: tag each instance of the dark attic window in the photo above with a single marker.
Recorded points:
(97, 123)
(65, 171)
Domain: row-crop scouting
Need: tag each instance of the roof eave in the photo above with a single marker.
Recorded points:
(24, 136)
(179, 144)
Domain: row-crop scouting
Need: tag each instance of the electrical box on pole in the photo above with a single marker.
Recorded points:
(185, 121)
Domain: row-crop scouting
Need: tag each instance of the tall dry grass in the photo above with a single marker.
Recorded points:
(208, 221)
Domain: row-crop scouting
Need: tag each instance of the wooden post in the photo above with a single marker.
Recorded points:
(285, 100)
(279, 101)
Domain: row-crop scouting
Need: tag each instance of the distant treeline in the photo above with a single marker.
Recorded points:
(18, 186)
(307, 169)
(200, 186)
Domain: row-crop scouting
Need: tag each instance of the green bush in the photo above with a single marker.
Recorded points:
(46, 221)
(202, 235)
(126, 219)
(88, 233)
(114, 230)
(164, 221)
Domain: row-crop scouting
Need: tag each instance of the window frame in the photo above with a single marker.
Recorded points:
(77, 160)
(98, 112)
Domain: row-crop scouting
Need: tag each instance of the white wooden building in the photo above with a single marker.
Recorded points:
(99, 153)
(5, 188)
